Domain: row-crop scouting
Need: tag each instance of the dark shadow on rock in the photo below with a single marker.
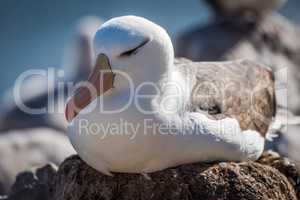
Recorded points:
(33, 186)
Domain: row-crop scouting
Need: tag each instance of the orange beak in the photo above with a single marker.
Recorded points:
(99, 81)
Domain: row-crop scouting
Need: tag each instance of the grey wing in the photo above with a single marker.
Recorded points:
(240, 89)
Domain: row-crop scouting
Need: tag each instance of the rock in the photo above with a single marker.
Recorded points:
(23, 150)
(248, 180)
(271, 177)
(285, 166)
(33, 185)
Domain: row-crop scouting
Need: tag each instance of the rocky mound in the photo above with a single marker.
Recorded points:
(272, 177)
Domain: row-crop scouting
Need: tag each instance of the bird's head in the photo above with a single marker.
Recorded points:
(127, 47)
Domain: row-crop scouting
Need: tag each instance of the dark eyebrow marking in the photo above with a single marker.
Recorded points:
(134, 50)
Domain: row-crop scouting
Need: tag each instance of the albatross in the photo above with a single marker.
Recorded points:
(175, 111)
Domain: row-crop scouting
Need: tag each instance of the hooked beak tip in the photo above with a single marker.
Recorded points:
(69, 112)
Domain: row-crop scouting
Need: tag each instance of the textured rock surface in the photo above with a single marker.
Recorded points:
(248, 180)
(285, 166)
(33, 185)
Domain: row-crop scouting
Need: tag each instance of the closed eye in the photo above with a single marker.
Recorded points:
(134, 50)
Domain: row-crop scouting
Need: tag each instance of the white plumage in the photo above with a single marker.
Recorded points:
(191, 135)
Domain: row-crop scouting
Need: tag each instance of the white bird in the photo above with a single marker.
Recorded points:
(170, 111)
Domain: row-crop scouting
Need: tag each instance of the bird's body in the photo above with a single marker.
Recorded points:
(172, 111)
